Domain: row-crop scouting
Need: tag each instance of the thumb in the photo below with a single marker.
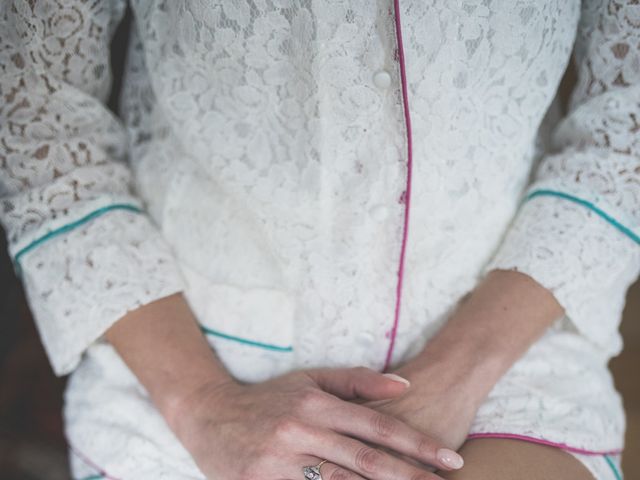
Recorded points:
(363, 382)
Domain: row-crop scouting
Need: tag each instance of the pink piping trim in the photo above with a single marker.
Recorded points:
(407, 199)
(562, 446)
(407, 193)
(91, 463)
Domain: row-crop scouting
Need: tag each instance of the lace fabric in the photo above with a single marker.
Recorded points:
(593, 156)
(286, 117)
(63, 156)
(264, 144)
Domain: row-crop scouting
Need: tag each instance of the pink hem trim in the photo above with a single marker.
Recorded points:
(91, 463)
(541, 441)
(407, 193)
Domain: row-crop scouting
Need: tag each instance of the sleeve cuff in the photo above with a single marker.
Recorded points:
(586, 262)
(80, 283)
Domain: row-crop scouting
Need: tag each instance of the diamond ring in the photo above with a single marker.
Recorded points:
(313, 472)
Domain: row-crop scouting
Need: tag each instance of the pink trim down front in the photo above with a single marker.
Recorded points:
(406, 196)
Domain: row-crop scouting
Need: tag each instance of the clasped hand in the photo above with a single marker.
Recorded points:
(365, 424)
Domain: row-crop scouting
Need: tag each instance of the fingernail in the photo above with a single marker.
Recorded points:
(450, 458)
(397, 378)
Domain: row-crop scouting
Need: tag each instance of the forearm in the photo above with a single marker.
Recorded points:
(162, 345)
(504, 315)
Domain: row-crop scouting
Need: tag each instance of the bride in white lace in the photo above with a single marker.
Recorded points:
(301, 195)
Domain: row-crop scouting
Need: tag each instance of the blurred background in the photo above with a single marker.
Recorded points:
(32, 445)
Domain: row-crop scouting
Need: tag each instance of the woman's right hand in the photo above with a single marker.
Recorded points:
(270, 430)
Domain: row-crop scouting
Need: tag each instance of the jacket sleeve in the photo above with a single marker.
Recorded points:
(577, 230)
(79, 238)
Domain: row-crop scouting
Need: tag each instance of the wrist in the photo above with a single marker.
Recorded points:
(180, 410)
(490, 329)
(465, 376)
(163, 346)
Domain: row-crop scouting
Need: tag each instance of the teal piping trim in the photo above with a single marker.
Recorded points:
(627, 231)
(613, 467)
(253, 343)
(71, 226)
(93, 477)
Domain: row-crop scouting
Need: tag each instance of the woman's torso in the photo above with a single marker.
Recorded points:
(270, 142)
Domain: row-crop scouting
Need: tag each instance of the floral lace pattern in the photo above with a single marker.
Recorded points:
(266, 141)
(594, 155)
(63, 156)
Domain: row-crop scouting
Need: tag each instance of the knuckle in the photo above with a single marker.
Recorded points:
(341, 474)
(425, 446)
(286, 428)
(309, 399)
(383, 425)
(368, 459)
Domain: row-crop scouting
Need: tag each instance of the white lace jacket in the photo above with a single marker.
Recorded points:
(292, 157)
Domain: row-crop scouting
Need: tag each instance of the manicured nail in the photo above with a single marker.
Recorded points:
(397, 378)
(450, 458)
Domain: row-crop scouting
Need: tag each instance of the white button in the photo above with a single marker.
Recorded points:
(367, 338)
(382, 79)
(379, 212)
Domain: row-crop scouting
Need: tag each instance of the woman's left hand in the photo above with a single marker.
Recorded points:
(489, 330)
(441, 412)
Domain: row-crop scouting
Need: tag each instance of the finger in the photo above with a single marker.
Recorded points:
(406, 458)
(328, 470)
(388, 431)
(349, 383)
(369, 462)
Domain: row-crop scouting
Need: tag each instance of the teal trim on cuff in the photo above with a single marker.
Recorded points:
(626, 230)
(253, 343)
(71, 226)
(613, 467)
(93, 477)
